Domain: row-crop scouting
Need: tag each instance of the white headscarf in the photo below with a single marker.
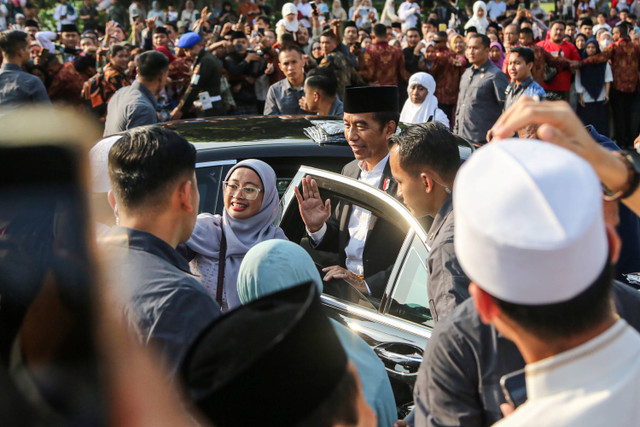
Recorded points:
(420, 113)
(481, 24)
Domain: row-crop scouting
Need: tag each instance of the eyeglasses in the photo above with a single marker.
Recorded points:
(250, 193)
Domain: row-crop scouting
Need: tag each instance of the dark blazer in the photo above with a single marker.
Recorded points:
(383, 240)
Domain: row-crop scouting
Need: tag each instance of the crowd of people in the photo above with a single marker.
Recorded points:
(528, 272)
(452, 63)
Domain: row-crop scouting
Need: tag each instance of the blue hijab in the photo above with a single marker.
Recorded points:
(275, 265)
(592, 76)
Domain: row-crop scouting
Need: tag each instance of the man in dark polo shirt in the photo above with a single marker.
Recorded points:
(16, 86)
(135, 105)
(155, 196)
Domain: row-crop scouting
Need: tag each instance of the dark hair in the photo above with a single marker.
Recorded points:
(384, 117)
(287, 39)
(633, 16)
(116, 49)
(525, 53)
(396, 25)
(238, 35)
(145, 161)
(31, 23)
(264, 18)
(586, 21)
(428, 144)
(471, 29)
(324, 80)
(526, 21)
(380, 30)
(432, 22)
(486, 41)
(412, 29)
(161, 30)
(526, 31)
(340, 407)
(290, 47)
(623, 28)
(84, 62)
(350, 24)
(575, 316)
(570, 24)
(559, 22)
(173, 25)
(11, 41)
(151, 64)
(330, 34)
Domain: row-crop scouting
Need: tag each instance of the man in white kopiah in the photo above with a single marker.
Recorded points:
(530, 234)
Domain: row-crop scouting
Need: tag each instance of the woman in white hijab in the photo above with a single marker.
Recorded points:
(218, 244)
(389, 16)
(422, 104)
(289, 22)
(479, 19)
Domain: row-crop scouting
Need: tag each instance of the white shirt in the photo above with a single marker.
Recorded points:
(586, 97)
(306, 10)
(407, 11)
(595, 384)
(496, 9)
(61, 10)
(358, 221)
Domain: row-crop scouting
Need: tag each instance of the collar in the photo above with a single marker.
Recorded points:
(381, 43)
(441, 217)
(523, 85)
(146, 92)
(580, 367)
(288, 86)
(139, 240)
(484, 67)
(10, 67)
(377, 169)
(334, 106)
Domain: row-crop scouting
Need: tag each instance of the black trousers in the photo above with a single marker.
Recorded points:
(596, 114)
(448, 110)
(622, 108)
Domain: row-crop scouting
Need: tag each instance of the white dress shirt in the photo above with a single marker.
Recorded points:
(358, 221)
(407, 11)
(594, 384)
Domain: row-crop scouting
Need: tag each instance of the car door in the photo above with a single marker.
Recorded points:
(210, 175)
(399, 324)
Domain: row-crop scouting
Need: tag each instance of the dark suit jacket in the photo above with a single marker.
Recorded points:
(383, 240)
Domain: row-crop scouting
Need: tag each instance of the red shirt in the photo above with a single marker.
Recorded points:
(625, 56)
(384, 64)
(562, 82)
(447, 76)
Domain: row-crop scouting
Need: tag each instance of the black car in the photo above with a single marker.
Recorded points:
(285, 143)
(399, 324)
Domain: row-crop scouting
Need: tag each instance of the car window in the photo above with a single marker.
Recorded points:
(409, 299)
(210, 186)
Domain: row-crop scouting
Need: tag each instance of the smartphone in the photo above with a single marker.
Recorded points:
(44, 53)
(217, 29)
(442, 27)
(47, 272)
(314, 6)
(521, 6)
(241, 19)
(514, 387)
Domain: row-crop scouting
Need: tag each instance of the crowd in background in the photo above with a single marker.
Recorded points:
(584, 54)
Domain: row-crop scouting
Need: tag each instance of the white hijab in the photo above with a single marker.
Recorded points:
(420, 113)
(481, 24)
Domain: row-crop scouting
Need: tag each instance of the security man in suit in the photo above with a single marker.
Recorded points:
(424, 161)
(367, 245)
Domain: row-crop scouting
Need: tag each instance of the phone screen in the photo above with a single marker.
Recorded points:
(46, 285)
(514, 387)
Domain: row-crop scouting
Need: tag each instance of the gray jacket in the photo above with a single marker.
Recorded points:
(18, 87)
(480, 101)
(130, 107)
(447, 285)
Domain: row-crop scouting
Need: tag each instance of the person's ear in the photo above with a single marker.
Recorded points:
(280, 66)
(615, 244)
(184, 191)
(112, 200)
(484, 303)
(427, 181)
(316, 97)
(390, 128)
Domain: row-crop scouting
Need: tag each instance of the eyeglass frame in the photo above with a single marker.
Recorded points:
(243, 190)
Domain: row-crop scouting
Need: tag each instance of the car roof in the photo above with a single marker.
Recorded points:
(233, 131)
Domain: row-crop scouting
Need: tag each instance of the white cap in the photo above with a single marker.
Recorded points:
(288, 9)
(99, 161)
(529, 227)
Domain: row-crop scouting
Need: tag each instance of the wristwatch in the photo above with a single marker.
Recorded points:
(631, 159)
